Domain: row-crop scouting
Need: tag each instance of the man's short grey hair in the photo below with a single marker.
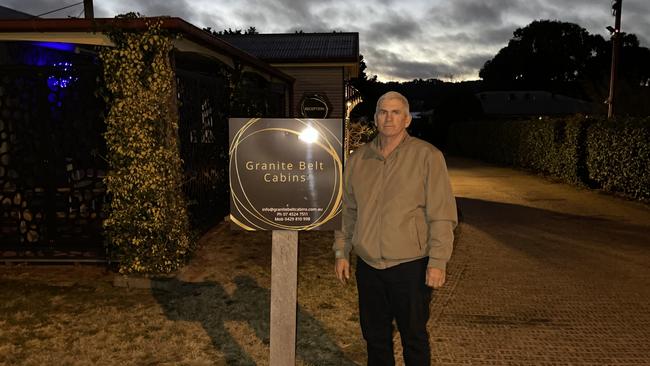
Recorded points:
(393, 95)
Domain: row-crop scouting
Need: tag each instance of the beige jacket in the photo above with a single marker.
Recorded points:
(397, 209)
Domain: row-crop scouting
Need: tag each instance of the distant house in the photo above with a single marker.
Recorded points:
(531, 102)
(426, 115)
(321, 63)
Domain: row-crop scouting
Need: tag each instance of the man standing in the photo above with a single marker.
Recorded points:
(399, 214)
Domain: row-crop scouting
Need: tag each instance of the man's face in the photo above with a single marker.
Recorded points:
(391, 117)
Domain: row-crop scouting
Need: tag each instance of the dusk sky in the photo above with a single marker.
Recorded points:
(400, 39)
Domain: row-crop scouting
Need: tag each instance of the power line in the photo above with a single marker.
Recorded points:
(63, 8)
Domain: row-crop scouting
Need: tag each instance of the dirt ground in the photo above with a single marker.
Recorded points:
(214, 312)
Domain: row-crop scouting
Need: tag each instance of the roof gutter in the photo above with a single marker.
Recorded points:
(15, 27)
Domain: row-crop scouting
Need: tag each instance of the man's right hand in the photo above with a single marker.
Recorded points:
(342, 270)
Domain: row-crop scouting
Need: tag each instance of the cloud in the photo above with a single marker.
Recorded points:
(392, 66)
(285, 15)
(450, 37)
(466, 13)
(480, 13)
(400, 28)
(493, 36)
(475, 61)
(178, 8)
(107, 9)
(466, 40)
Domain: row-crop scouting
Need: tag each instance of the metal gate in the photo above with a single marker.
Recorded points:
(53, 153)
(51, 162)
(203, 102)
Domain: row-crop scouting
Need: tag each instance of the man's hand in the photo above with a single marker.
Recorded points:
(342, 270)
(435, 277)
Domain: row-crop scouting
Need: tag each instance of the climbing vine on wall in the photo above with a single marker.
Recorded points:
(147, 219)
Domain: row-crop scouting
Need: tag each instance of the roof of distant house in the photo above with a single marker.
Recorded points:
(531, 102)
(298, 47)
(8, 13)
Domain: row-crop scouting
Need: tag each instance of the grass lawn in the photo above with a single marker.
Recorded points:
(214, 312)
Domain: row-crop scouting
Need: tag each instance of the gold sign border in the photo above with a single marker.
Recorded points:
(247, 210)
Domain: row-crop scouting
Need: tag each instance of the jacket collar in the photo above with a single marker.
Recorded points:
(374, 152)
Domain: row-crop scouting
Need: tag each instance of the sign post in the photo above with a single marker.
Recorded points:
(284, 275)
(285, 176)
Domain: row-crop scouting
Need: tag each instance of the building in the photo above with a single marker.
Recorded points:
(321, 64)
(531, 102)
(51, 151)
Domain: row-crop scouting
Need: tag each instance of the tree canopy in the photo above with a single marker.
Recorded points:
(544, 51)
(565, 58)
(250, 30)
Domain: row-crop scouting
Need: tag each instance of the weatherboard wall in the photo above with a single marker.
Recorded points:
(326, 81)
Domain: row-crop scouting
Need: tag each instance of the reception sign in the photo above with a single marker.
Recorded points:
(314, 106)
(285, 174)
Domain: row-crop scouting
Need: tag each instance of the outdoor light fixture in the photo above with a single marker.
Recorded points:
(611, 29)
(309, 135)
(59, 46)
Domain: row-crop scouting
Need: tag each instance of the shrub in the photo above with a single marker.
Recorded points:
(359, 133)
(619, 156)
(147, 217)
(613, 155)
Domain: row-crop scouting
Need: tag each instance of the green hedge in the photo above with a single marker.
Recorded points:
(612, 155)
(619, 156)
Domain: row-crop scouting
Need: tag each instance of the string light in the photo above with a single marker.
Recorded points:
(65, 78)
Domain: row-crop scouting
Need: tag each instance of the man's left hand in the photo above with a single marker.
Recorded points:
(435, 277)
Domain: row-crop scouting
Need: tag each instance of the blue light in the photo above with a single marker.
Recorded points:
(64, 79)
(56, 46)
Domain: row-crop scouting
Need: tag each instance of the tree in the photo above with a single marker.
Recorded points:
(543, 54)
(250, 30)
(564, 58)
(369, 90)
(635, 61)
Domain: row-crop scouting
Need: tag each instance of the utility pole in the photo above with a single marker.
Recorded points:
(89, 13)
(617, 5)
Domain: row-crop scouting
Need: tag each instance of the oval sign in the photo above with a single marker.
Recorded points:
(314, 106)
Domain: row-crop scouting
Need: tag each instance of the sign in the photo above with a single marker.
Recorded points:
(285, 174)
(314, 106)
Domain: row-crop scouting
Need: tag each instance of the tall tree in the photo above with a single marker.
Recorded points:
(370, 92)
(564, 58)
(543, 54)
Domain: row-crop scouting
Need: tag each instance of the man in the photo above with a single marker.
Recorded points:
(399, 214)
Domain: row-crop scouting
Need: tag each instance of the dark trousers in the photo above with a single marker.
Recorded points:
(398, 293)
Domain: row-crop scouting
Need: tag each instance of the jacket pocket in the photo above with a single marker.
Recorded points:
(414, 232)
(421, 231)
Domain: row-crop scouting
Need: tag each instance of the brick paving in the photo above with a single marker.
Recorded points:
(543, 274)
